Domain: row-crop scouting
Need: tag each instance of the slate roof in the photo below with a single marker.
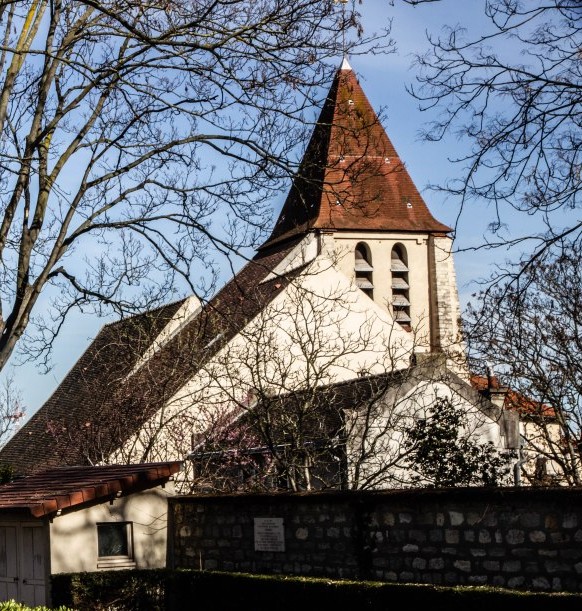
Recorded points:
(47, 492)
(43, 441)
(320, 409)
(351, 177)
(99, 405)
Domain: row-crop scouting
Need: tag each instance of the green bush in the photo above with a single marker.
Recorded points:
(12, 605)
(166, 590)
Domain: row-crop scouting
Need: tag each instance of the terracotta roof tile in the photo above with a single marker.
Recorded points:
(513, 399)
(351, 177)
(46, 492)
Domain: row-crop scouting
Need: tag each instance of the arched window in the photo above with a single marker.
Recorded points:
(364, 270)
(400, 286)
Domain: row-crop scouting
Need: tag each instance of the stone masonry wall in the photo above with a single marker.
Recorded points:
(522, 538)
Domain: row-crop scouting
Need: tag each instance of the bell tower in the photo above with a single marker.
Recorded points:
(353, 188)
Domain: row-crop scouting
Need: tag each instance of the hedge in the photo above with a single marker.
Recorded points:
(12, 605)
(167, 590)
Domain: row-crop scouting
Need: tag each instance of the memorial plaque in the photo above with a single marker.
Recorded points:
(269, 535)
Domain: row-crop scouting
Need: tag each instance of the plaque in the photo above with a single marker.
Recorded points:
(269, 535)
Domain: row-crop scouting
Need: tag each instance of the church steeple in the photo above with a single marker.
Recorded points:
(351, 177)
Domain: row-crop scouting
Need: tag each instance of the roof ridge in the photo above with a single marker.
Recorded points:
(131, 317)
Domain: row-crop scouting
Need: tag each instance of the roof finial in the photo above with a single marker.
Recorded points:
(345, 64)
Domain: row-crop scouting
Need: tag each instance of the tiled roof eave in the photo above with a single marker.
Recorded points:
(44, 495)
(436, 231)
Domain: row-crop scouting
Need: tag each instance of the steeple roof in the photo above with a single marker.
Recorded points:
(351, 177)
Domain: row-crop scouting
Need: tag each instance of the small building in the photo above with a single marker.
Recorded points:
(81, 519)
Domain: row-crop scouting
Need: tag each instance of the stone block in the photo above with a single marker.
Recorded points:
(417, 536)
(540, 583)
(302, 533)
(491, 565)
(569, 520)
(435, 536)
(426, 519)
(477, 552)
(555, 566)
(514, 536)
(436, 564)
(571, 553)
(551, 522)
(537, 536)
(530, 519)
(559, 537)
(548, 553)
(419, 564)
(473, 518)
(456, 518)
(523, 552)
(511, 566)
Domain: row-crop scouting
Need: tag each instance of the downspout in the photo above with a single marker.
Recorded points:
(518, 463)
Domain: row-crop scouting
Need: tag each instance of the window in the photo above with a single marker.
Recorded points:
(400, 286)
(363, 269)
(114, 544)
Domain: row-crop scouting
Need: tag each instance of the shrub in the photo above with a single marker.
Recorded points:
(12, 605)
(167, 590)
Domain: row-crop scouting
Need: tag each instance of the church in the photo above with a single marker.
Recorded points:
(311, 366)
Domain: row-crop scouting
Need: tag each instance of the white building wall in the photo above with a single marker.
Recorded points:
(377, 455)
(319, 330)
(73, 536)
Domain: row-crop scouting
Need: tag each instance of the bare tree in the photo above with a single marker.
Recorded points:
(294, 379)
(136, 137)
(315, 401)
(511, 93)
(12, 409)
(534, 338)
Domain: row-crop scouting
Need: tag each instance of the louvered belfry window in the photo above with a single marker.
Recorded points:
(364, 270)
(400, 285)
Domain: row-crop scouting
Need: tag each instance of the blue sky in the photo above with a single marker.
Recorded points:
(383, 78)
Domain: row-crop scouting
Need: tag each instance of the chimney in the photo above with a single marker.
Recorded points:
(495, 392)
